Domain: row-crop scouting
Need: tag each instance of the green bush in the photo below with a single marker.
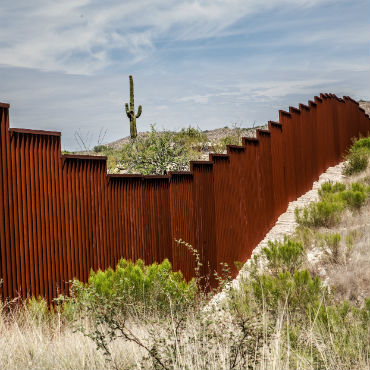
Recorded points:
(160, 152)
(334, 198)
(357, 161)
(99, 148)
(283, 257)
(357, 157)
(135, 287)
(318, 214)
(152, 285)
(191, 136)
(281, 282)
(363, 143)
(356, 196)
(328, 188)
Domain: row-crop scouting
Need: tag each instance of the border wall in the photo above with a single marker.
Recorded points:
(62, 215)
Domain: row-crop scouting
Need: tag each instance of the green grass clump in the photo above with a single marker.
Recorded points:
(334, 198)
(357, 157)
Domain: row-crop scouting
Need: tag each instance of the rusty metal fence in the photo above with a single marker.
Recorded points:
(62, 215)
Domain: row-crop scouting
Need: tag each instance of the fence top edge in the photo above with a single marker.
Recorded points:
(304, 107)
(350, 99)
(84, 157)
(312, 104)
(200, 164)
(261, 132)
(237, 148)
(156, 177)
(284, 113)
(276, 124)
(4, 105)
(34, 132)
(337, 97)
(294, 110)
(250, 140)
(180, 173)
(218, 156)
(118, 176)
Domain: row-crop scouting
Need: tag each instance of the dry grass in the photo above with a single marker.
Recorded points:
(31, 342)
(28, 342)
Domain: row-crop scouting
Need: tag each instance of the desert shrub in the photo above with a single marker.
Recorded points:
(281, 281)
(99, 148)
(334, 198)
(363, 143)
(356, 196)
(152, 285)
(357, 161)
(322, 213)
(134, 286)
(283, 256)
(230, 140)
(158, 152)
(191, 136)
(328, 189)
(357, 157)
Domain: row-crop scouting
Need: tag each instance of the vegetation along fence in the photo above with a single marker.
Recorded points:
(62, 215)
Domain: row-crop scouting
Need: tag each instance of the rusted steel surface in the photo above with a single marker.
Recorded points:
(62, 215)
(182, 221)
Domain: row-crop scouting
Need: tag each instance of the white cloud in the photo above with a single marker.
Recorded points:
(240, 92)
(79, 37)
(251, 68)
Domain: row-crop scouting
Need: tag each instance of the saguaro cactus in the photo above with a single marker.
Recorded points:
(131, 112)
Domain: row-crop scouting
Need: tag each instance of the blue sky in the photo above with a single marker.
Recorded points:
(64, 65)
